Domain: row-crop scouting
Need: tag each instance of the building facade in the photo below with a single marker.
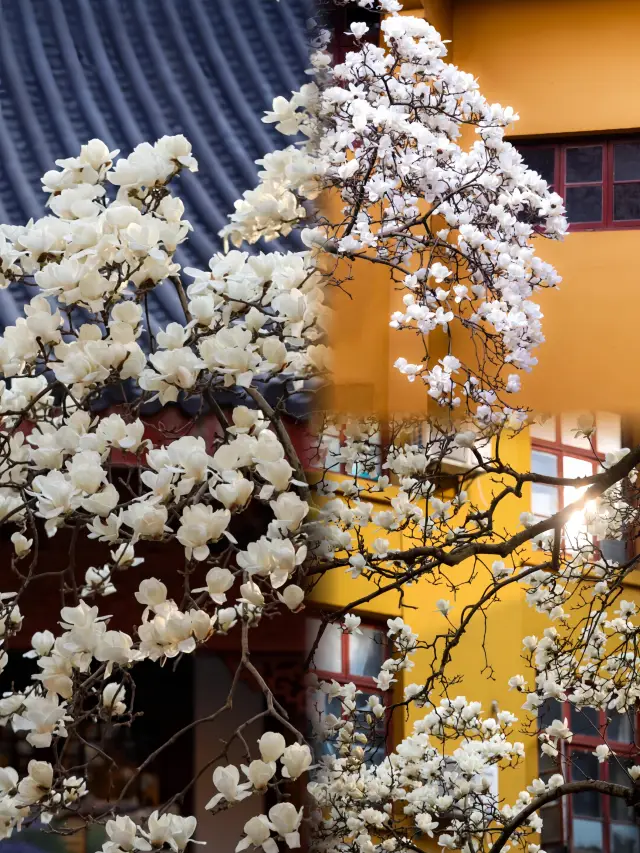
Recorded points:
(564, 66)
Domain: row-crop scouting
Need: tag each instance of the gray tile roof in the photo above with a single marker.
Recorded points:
(132, 70)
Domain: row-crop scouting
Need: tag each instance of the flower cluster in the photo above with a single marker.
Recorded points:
(452, 221)
(106, 244)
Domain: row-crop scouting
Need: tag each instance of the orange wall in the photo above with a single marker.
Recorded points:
(564, 65)
(592, 351)
(568, 66)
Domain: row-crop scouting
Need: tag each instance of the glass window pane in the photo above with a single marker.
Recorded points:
(549, 711)
(626, 161)
(547, 765)
(568, 427)
(543, 427)
(574, 467)
(551, 824)
(621, 727)
(576, 529)
(619, 776)
(626, 202)
(584, 164)
(544, 499)
(328, 655)
(544, 463)
(584, 721)
(366, 652)
(609, 432)
(318, 706)
(587, 836)
(625, 838)
(542, 161)
(584, 765)
(584, 204)
(613, 550)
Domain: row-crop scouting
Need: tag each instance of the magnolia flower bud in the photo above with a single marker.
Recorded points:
(219, 581)
(37, 784)
(252, 593)
(271, 746)
(292, 596)
(41, 644)
(443, 606)
(259, 773)
(21, 544)
(114, 699)
(151, 593)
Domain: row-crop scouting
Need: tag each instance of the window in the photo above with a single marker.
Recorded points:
(329, 453)
(556, 451)
(590, 822)
(329, 456)
(599, 179)
(348, 658)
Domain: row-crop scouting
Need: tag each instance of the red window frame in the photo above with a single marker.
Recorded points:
(582, 743)
(558, 449)
(362, 682)
(608, 183)
(344, 675)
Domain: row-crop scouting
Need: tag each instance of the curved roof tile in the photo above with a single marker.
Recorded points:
(132, 70)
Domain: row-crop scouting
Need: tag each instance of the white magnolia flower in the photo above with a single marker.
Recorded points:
(200, 525)
(152, 593)
(21, 544)
(8, 780)
(444, 606)
(171, 830)
(292, 596)
(286, 819)
(123, 835)
(259, 773)
(271, 745)
(296, 760)
(41, 718)
(351, 623)
(114, 699)
(258, 834)
(41, 644)
(227, 781)
(37, 784)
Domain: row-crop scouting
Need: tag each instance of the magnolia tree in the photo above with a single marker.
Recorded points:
(451, 217)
